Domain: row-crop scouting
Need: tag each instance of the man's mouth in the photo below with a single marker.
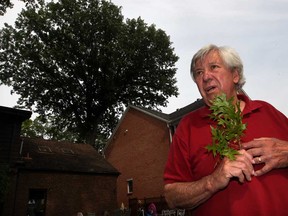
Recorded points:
(210, 89)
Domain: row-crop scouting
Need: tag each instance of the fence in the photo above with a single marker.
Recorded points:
(136, 204)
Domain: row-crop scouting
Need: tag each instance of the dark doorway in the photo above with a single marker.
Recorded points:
(37, 202)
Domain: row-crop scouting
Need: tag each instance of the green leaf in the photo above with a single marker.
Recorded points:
(229, 127)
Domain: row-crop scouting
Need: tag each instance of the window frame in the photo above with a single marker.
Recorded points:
(129, 186)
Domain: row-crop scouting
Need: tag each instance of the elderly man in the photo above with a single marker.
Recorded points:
(256, 182)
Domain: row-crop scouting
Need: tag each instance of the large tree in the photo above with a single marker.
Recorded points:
(79, 63)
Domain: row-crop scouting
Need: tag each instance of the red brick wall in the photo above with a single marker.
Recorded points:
(67, 193)
(139, 151)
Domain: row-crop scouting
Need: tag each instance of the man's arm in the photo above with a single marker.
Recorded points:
(192, 194)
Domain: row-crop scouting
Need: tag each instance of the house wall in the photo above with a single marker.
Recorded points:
(9, 148)
(10, 127)
(67, 193)
(139, 150)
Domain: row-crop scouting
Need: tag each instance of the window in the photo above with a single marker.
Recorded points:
(67, 151)
(130, 186)
(44, 149)
(37, 202)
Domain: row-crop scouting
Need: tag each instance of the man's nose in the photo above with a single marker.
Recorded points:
(206, 75)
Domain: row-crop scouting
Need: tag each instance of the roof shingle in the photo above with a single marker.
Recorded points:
(46, 155)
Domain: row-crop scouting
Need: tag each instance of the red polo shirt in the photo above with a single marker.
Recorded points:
(188, 160)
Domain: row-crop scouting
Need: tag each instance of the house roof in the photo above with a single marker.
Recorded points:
(7, 113)
(179, 113)
(174, 116)
(45, 155)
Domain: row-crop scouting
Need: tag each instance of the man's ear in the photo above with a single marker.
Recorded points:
(236, 77)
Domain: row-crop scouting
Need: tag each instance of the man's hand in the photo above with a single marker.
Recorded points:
(241, 168)
(270, 151)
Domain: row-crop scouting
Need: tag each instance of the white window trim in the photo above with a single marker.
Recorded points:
(129, 181)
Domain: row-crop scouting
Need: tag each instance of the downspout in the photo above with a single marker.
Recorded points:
(16, 181)
(170, 134)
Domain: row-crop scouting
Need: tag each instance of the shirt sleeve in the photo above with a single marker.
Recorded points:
(178, 167)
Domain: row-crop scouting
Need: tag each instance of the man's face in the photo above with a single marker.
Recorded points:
(213, 77)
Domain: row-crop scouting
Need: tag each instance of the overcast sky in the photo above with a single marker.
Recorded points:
(257, 29)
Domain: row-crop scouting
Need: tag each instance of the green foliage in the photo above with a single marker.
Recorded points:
(4, 5)
(227, 134)
(4, 181)
(77, 63)
(42, 128)
(46, 129)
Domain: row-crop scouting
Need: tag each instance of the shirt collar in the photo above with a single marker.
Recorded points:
(250, 106)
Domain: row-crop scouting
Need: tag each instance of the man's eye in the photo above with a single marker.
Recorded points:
(214, 66)
(198, 73)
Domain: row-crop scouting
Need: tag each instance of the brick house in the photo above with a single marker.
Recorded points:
(53, 178)
(138, 148)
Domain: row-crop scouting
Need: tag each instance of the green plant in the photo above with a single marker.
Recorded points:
(226, 135)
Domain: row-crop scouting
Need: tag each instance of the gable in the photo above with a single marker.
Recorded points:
(135, 120)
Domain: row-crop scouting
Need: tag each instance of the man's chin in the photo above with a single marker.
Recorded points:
(208, 99)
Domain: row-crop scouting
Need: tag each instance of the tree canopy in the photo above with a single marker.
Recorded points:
(4, 5)
(79, 63)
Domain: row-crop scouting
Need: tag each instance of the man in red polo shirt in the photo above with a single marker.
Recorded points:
(256, 182)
